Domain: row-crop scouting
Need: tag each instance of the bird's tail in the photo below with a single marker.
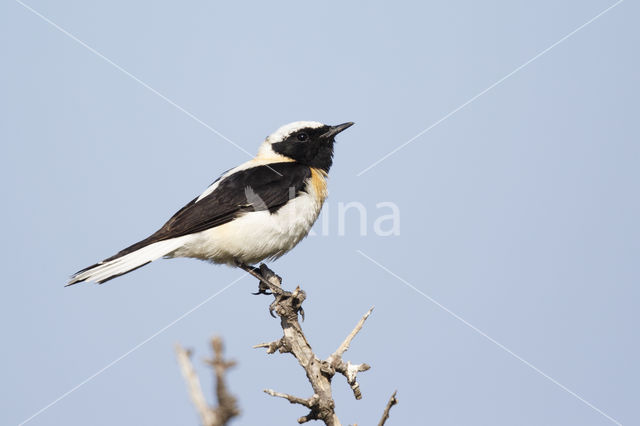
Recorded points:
(126, 261)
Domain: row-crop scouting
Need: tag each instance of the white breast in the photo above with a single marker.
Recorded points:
(260, 235)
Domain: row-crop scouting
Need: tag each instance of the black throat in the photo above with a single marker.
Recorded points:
(308, 146)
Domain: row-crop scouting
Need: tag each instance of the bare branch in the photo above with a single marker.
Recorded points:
(345, 345)
(348, 370)
(287, 305)
(271, 346)
(227, 404)
(193, 383)
(385, 415)
(308, 402)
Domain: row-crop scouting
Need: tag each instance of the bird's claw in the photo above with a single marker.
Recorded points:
(272, 308)
(263, 289)
(266, 287)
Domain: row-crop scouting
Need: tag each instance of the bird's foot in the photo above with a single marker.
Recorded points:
(263, 287)
(263, 274)
(295, 297)
(269, 283)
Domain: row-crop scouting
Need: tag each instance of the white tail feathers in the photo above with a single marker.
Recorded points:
(104, 271)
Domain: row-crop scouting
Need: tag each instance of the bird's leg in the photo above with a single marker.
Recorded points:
(269, 283)
(296, 297)
(264, 286)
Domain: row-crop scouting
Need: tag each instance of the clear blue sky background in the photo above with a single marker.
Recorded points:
(519, 213)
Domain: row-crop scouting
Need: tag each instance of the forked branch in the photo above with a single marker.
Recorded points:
(287, 306)
(319, 372)
(227, 407)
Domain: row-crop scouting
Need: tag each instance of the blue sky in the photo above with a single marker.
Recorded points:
(509, 296)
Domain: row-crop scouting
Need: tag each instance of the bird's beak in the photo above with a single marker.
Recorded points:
(334, 130)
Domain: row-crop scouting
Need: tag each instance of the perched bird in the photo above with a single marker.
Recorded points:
(256, 211)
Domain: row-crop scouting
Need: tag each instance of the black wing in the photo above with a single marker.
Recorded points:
(266, 187)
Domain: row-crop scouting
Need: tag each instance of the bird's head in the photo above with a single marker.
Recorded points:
(306, 142)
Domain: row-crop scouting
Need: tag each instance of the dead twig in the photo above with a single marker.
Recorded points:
(227, 407)
(385, 415)
(347, 369)
(287, 305)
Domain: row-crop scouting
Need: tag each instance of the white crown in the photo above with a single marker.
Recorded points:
(283, 132)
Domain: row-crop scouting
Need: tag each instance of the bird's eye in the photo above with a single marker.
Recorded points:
(302, 137)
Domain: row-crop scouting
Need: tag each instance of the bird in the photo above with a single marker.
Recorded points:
(256, 211)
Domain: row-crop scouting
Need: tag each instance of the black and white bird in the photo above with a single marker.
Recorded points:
(256, 211)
